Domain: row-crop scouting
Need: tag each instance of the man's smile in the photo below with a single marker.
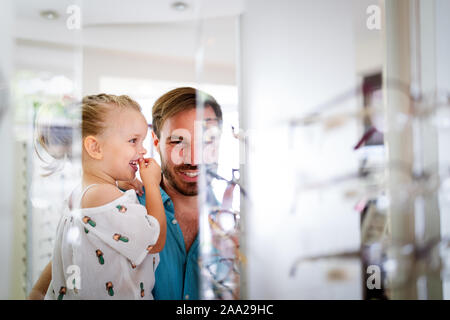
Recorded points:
(189, 176)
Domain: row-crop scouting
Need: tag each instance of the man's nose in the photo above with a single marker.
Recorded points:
(191, 155)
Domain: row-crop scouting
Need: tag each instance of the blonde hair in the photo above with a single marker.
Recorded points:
(95, 107)
(56, 140)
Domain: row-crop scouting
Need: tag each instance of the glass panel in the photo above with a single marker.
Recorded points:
(220, 255)
(325, 177)
(62, 51)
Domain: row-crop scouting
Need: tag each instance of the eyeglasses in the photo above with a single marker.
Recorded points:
(224, 221)
(421, 106)
(219, 263)
(231, 183)
(223, 274)
(401, 263)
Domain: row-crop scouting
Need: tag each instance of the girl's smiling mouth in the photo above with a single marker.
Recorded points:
(134, 164)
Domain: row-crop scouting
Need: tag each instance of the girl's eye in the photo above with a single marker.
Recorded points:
(176, 142)
(133, 140)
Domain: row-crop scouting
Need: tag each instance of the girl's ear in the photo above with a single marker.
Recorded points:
(155, 142)
(92, 147)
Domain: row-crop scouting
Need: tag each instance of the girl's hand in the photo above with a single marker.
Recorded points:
(150, 171)
(136, 184)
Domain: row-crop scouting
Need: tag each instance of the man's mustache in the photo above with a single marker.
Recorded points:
(185, 167)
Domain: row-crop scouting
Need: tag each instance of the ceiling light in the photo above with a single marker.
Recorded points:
(180, 6)
(49, 14)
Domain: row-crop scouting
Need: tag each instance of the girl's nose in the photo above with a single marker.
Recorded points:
(143, 151)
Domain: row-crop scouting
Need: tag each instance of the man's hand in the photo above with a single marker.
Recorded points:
(136, 184)
(150, 171)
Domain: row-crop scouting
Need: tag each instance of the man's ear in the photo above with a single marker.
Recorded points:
(155, 142)
(92, 147)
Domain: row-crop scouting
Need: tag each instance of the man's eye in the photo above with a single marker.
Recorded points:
(176, 142)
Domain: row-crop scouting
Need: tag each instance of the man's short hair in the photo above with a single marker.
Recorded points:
(181, 99)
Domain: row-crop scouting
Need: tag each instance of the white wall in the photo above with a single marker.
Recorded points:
(98, 63)
(443, 44)
(6, 143)
(44, 57)
(295, 55)
(368, 46)
(443, 85)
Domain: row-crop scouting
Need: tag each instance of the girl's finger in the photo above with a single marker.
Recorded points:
(141, 162)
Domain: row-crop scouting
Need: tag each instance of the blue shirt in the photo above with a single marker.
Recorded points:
(177, 275)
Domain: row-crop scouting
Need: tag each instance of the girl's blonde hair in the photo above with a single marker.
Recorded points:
(56, 139)
(95, 107)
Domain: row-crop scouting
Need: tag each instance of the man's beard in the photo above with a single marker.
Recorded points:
(189, 189)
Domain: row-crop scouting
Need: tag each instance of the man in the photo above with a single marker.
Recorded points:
(174, 115)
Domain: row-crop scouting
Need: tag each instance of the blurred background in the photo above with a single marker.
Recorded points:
(336, 116)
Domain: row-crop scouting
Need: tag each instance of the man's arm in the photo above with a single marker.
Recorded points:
(40, 288)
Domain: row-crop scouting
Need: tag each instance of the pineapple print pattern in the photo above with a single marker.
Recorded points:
(142, 290)
(75, 289)
(118, 237)
(99, 254)
(62, 292)
(110, 288)
(88, 220)
(122, 209)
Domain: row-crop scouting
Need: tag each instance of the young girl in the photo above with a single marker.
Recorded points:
(107, 244)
